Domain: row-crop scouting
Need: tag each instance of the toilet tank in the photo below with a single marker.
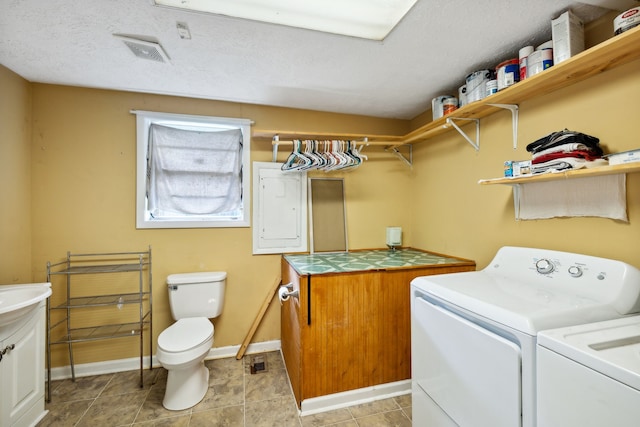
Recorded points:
(196, 294)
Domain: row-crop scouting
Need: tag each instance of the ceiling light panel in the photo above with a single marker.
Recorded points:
(370, 19)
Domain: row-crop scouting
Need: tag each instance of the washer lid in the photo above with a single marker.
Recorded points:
(199, 277)
(531, 289)
(611, 347)
(517, 304)
(185, 334)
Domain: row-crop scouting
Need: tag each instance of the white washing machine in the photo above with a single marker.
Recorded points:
(474, 334)
(589, 375)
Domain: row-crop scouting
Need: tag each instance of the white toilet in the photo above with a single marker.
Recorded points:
(194, 299)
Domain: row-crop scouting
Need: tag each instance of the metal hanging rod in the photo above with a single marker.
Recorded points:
(276, 142)
(390, 146)
(365, 141)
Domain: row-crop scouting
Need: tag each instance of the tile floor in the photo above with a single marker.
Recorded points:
(235, 398)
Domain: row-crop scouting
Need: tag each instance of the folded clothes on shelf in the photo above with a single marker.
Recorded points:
(562, 137)
(565, 150)
(565, 163)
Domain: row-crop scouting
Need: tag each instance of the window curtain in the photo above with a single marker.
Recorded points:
(193, 172)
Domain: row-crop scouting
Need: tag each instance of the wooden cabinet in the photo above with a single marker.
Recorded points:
(350, 330)
(22, 370)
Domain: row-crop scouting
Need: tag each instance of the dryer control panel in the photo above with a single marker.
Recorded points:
(576, 275)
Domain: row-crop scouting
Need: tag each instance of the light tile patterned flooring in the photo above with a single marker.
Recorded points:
(235, 398)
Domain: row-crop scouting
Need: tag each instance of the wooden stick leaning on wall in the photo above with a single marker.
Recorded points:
(263, 309)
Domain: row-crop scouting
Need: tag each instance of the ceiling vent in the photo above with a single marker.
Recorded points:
(145, 49)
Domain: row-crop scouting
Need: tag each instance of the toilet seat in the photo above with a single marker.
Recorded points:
(185, 335)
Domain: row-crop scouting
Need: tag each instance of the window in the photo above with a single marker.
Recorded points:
(192, 171)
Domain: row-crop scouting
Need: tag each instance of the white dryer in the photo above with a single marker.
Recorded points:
(589, 375)
(474, 334)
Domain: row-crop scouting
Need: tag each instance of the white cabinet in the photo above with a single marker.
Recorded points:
(22, 370)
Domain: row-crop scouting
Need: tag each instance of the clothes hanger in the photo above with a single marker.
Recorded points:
(328, 155)
(296, 160)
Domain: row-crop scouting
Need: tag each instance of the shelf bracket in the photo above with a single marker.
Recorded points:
(276, 138)
(475, 144)
(514, 120)
(398, 154)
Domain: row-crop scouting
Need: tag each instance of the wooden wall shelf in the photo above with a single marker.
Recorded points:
(569, 174)
(612, 53)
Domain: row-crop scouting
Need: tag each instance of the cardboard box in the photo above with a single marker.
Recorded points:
(508, 168)
(630, 156)
(567, 33)
(517, 168)
(522, 167)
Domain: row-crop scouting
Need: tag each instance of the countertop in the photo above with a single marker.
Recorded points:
(375, 259)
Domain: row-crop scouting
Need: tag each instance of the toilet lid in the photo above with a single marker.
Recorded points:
(185, 334)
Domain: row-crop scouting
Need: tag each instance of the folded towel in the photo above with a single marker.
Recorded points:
(577, 154)
(568, 148)
(566, 136)
(596, 196)
(566, 163)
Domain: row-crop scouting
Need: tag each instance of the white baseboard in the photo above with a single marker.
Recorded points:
(354, 397)
(133, 363)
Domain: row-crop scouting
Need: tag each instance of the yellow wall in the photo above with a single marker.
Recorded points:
(455, 215)
(15, 178)
(74, 189)
(84, 147)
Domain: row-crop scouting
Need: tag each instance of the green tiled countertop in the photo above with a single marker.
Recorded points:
(376, 259)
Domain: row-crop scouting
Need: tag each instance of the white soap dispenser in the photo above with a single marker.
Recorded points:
(394, 237)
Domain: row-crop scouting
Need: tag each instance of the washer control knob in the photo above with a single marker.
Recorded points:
(575, 271)
(544, 266)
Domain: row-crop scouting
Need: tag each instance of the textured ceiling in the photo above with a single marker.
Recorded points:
(429, 53)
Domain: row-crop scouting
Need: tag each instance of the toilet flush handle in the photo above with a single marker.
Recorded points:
(173, 287)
